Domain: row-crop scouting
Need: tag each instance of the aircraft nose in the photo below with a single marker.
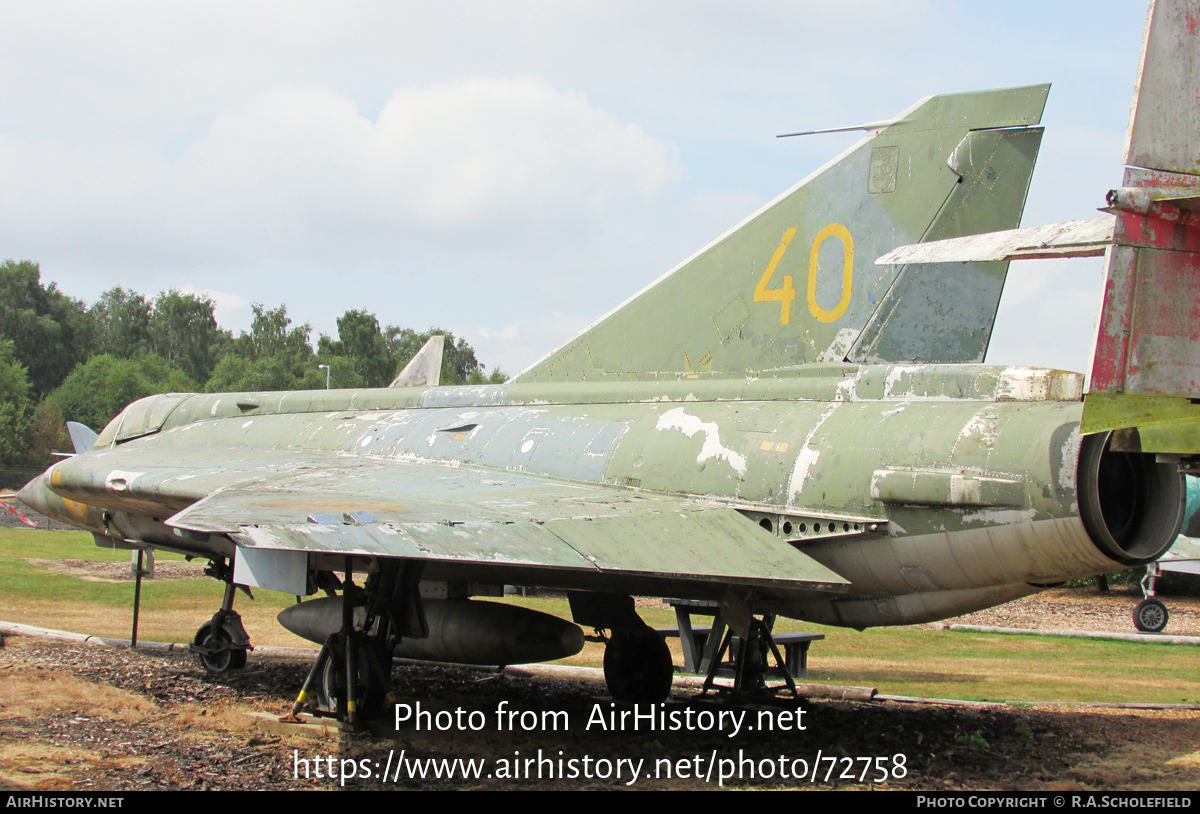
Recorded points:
(34, 495)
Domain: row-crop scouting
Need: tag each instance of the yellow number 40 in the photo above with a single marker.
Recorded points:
(787, 293)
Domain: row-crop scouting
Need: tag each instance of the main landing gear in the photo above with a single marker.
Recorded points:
(222, 642)
(1150, 615)
(637, 661)
(351, 679)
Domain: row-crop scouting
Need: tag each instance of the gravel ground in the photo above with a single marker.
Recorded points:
(89, 717)
(1085, 609)
(76, 717)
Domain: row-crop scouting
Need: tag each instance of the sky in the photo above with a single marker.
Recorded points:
(507, 171)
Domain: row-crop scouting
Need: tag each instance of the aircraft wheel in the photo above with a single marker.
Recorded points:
(638, 667)
(224, 657)
(1150, 616)
(331, 685)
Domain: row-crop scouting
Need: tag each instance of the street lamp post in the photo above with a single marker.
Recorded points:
(326, 368)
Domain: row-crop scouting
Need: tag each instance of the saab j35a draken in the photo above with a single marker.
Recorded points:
(782, 425)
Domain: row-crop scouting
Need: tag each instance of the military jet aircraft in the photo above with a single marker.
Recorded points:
(779, 425)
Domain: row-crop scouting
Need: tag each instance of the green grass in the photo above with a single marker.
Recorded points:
(899, 661)
(171, 610)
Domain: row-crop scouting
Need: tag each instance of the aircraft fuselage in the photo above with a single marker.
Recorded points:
(934, 490)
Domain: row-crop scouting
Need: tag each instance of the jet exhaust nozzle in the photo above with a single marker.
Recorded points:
(461, 631)
(1131, 505)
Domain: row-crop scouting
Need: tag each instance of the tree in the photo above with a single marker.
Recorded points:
(48, 329)
(363, 346)
(273, 356)
(101, 387)
(459, 365)
(121, 323)
(47, 435)
(184, 332)
(14, 406)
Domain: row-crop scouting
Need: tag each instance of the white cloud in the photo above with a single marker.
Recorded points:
(517, 345)
(475, 163)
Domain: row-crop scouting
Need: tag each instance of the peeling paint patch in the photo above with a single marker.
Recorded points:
(1036, 384)
(807, 457)
(689, 425)
(983, 426)
(1001, 517)
(847, 388)
(248, 423)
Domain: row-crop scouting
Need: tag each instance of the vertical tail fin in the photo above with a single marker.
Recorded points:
(797, 281)
(1145, 375)
(1146, 361)
(425, 368)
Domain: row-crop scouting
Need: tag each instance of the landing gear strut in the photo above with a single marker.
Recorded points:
(1150, 615)
(351, 679)
(637, 662)
(222, 642)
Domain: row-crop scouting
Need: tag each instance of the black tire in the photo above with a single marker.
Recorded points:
(229, 658)
(332, 682)
(638, 667)
(1150, 616)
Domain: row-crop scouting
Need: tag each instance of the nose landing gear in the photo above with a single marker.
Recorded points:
(221, 643)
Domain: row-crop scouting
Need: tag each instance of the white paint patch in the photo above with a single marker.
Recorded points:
(807, 457)
(1038, 384)
(840, 346)
(366, 440)
(528, 445)
(248, 423)
(216, 404)
(983, 425)
(689, 425)
(893, 411)
(893, 378)
(1001, 517)
(118, 480)
(847, 388)
(1070, 466)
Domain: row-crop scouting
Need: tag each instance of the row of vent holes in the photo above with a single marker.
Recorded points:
(803, 527)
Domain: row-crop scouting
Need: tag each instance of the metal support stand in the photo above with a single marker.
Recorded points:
(293, 717)
(137, 599)
(750, 661)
